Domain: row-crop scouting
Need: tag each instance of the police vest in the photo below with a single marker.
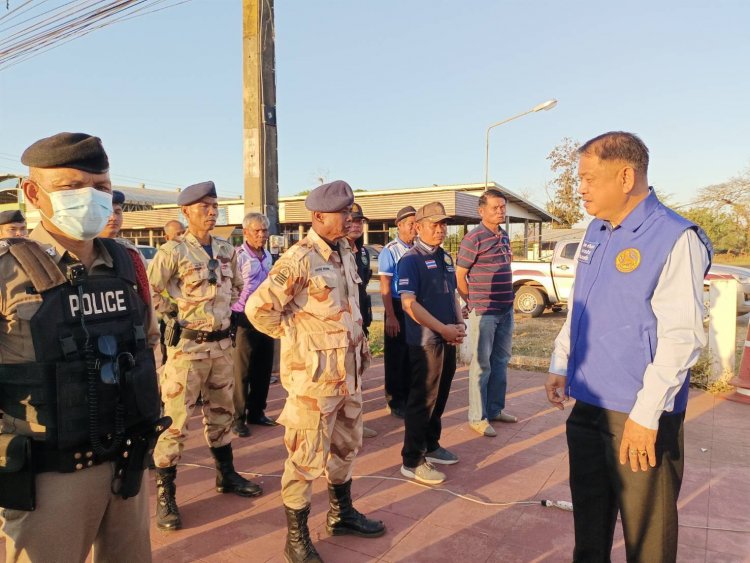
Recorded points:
(94, 375)
(613, 327)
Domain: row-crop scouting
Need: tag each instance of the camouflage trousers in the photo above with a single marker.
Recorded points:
(322, 434)
(182, 381)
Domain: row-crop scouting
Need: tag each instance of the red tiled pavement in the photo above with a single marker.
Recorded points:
(526, 461)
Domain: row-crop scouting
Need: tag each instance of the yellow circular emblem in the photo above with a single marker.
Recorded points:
(628, 260)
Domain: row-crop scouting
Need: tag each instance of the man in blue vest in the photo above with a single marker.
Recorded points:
(633, 331)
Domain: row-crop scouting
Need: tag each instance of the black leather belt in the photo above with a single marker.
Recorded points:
(204, 336)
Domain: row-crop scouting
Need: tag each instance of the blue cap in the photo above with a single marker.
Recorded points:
(330, 197)
(196, 192)
(118, 198)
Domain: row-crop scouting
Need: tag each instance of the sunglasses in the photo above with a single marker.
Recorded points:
(213, 264)
(111, 370)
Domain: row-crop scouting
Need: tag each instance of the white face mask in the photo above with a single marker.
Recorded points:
(81, 213)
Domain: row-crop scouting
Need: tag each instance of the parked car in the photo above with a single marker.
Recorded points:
(148, 252)
(546, 284)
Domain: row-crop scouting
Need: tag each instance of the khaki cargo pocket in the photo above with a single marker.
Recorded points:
(298, 418)
(327, 354)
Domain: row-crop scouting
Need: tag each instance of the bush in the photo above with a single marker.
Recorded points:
(700, 376)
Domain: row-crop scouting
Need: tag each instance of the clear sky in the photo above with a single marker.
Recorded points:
(398, 93)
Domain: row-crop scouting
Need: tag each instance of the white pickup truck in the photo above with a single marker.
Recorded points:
(545, 284)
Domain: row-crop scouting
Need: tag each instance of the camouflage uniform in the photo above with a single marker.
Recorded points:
(309, 300)
(193, 368)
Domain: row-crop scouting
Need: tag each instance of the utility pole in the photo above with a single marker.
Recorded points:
(260, 158)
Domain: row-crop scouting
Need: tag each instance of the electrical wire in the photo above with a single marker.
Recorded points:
(61, 24)
(561, 504)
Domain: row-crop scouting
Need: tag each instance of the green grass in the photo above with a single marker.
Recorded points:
(376, 339)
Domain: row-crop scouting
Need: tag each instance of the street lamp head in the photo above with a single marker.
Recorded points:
(549, 104)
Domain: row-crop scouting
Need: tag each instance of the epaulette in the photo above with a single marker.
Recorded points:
(36, 261)
(298, 250)
(169, 246)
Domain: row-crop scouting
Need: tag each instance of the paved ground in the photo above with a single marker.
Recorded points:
(527, 461)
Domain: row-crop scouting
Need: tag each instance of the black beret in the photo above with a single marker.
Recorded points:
(405, 212)
(11, 216)
(357, 212)
(196, 192)
(68, 150)
(118, 198)
(330, 197)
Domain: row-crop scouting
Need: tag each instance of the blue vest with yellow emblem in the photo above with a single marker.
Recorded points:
(613, 328)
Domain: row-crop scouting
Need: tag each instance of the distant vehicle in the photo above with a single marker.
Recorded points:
(148, 252)
(374, 250)
(546, 284)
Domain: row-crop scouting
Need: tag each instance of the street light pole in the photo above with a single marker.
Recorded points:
(548, 105)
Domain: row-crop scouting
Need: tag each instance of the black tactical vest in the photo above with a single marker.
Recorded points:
(94, 374)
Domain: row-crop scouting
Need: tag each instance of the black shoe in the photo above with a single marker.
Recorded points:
(227, 479)
(344, 519)
(398, 412)
(167, 513)
(240, 428)
(299, 547)
(262, 420)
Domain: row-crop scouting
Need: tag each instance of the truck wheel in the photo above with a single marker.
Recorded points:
(529, 301)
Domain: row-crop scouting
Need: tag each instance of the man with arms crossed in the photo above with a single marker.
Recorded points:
(634, 329)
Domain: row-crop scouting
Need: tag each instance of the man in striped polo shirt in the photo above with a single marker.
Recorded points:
(485, 282)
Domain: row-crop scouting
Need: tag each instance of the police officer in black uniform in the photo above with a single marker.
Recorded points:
(362, 259)
(77, 378)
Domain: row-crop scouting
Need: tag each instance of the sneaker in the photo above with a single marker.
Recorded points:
(504, 417)
(368, 432)
(425, 473)
(483, 428)
(441, 456)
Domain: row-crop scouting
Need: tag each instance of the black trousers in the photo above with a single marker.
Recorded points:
(432, 369)
(253, 363)
(396, 362)
(601, 486)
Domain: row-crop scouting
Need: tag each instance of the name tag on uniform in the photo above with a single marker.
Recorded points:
(322, 270)
(587, 251)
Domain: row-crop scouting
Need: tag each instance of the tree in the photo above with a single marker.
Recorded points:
(728, 204)
(565, 204)
(720, 227)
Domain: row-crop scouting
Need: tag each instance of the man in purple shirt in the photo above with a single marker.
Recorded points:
(485, 282)
(253, 348)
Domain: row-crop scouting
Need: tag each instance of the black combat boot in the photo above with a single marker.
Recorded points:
(343, 518)
(227, 479)
(299, 547)
(167, 513)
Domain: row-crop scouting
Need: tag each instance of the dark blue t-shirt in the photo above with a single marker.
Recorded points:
(430, 275)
